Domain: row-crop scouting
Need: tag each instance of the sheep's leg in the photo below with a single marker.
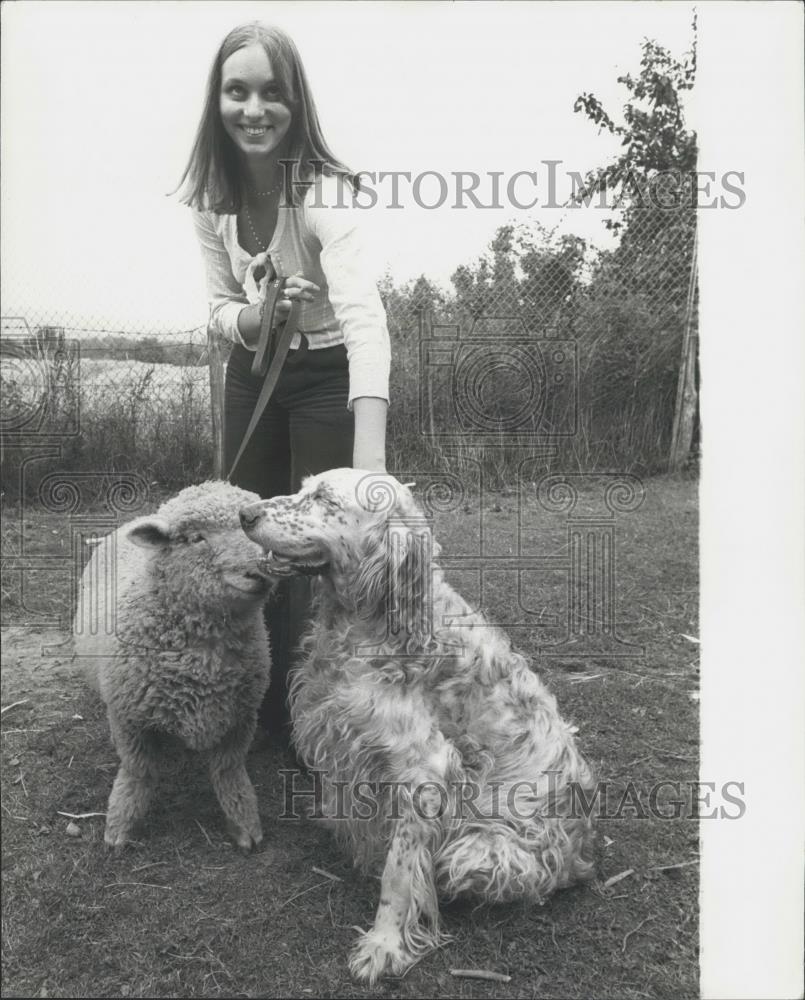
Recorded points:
(407, 919)
(134, 785)
(234, 789)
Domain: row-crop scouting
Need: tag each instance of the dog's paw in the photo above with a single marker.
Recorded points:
(377, 954)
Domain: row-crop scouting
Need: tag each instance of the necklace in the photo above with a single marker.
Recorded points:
(267, 194)
(255, 237)
(259, 194)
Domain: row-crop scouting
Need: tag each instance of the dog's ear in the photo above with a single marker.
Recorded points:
(368, 585)
(393, 584)
(409, 609)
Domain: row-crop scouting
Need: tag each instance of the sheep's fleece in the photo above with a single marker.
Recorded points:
(170, 630)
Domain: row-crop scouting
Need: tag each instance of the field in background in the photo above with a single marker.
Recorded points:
(181, 913)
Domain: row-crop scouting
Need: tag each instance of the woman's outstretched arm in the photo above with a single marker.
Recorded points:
(369, 450)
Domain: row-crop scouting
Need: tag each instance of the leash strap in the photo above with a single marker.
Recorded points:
(272, 349)
(268, 331)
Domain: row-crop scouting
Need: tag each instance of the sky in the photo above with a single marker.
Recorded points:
(101, 101)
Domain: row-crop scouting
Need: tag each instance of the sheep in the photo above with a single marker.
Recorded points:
(186, 655)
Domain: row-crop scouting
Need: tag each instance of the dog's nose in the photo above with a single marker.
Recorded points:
(249, 517)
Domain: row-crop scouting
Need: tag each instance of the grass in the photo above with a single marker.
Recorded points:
(181, 913)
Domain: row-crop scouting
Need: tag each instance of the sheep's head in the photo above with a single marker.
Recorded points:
(199, 549)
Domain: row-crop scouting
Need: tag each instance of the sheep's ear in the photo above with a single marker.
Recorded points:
(149, 532)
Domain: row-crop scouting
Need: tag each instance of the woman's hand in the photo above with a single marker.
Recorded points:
(297, 288)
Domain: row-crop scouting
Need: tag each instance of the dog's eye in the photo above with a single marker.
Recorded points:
(327, 498)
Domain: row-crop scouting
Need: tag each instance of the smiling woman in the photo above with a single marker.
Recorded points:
(270, 200)
(253, 111)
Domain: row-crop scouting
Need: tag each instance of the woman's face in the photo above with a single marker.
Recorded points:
(252, 111)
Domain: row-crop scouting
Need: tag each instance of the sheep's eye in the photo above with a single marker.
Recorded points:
(190, 539)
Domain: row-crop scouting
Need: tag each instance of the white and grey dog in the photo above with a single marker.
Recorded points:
(405, 692)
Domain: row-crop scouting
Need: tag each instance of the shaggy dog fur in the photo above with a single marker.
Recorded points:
(460, 772)
(170, 621)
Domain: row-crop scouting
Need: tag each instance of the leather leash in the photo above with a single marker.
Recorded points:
(272, 349)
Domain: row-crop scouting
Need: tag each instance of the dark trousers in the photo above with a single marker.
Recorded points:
(305, 429)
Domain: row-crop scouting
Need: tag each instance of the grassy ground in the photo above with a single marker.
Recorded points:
(182, 913)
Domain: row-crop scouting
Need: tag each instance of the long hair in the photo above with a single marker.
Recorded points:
(394, 583)
(212, 177)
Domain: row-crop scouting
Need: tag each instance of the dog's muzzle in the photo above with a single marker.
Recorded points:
(249, 516)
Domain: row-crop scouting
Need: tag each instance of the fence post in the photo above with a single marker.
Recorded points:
(685, 409)
(216, 402)
(425, 327)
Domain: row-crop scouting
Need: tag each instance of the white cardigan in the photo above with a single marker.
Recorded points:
(321, 239)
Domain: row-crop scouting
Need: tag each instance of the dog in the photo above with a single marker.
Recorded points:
(462, 776)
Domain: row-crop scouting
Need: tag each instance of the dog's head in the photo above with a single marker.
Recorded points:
(361, 530)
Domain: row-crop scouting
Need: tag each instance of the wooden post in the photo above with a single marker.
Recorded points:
(426, 331)
(685, 409)
(216, 402)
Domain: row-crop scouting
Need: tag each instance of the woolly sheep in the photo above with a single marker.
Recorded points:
(179, 648)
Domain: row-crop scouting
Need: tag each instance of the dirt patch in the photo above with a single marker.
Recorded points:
(37, 665)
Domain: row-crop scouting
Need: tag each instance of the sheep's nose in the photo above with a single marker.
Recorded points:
(249, 517)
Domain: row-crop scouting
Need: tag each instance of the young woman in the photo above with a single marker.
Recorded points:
(268, 197)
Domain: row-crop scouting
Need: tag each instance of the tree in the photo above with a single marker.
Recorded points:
(527, 271)
(641, 299)
(659, 151)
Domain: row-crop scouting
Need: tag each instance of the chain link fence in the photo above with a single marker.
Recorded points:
(586, 357)
(78, 399)
(543, 342)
